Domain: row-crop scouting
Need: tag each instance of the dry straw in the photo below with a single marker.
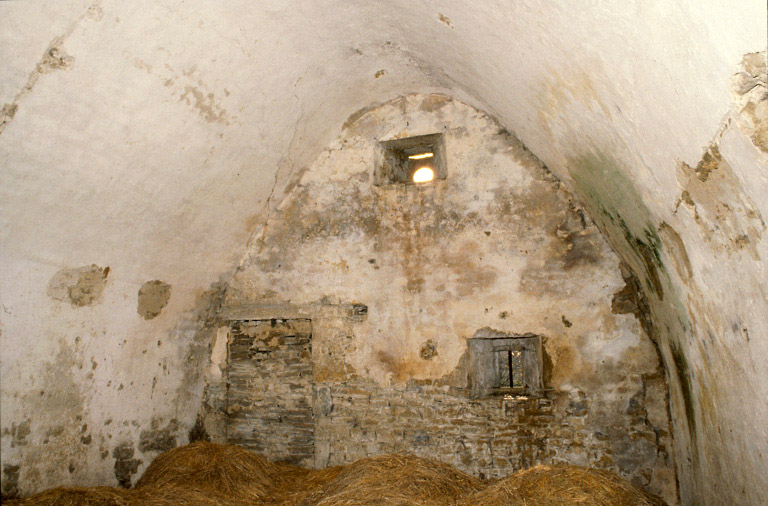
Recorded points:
(562, 486)
(226, 470)
(208, 474)
(393, 480)
(174, 495)
(75, 496)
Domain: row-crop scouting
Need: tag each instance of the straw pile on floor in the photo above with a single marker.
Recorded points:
(207, 474)
(562, 486)
(228, 470)
(394, 480)
(76, 496)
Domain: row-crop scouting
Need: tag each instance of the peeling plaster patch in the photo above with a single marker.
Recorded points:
(580, 242)
(125, 465)
(10, 487)
(7, 114)
(153, 297)
(55, 59)
(158, 438)
(444, 20)
(82, 286)
(206, 105)
(708, 163)
(428, 350)
(728, 220)
(631, 300)
(751, 90)
(676, 249)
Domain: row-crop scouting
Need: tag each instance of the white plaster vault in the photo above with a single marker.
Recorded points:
(159, 138)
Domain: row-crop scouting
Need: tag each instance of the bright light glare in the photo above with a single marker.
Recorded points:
(423, 175)
(421, 156)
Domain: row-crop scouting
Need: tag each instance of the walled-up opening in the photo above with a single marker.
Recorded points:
(269, 388)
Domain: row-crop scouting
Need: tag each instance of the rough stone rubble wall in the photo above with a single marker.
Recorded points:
(266, 410)
(493, 437)
(498, 244)
(269, 389)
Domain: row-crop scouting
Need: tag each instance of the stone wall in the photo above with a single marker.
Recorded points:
(269, 389)
(494, 436)
(498, 245)
(272, 405)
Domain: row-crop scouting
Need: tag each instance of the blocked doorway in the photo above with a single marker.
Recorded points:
(269, 394)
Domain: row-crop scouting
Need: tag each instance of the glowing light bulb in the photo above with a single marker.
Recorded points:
(423, 175)
(421, 156)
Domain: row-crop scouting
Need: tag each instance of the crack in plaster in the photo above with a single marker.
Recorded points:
(281, 164)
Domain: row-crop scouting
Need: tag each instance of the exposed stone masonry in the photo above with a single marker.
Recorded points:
(489, 437)
(274, 407)
(269, 395)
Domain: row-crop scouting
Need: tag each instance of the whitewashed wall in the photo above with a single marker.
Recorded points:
(158, 136)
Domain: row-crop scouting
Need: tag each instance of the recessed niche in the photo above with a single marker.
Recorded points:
(415, 160)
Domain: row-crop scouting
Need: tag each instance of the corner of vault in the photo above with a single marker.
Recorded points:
(602, 184)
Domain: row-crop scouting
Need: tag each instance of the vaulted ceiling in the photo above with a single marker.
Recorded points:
(157, 137)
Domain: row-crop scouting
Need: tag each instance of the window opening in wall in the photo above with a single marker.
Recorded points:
(505, 365)
(411, 160)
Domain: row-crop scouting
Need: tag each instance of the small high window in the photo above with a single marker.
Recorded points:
(505, 365)
(411, 160)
